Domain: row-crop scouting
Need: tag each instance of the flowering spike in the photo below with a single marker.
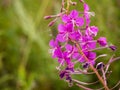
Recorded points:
(75, 45)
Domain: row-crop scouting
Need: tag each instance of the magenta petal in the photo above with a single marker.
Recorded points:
(86, 7)
(92, 45)
(87, 20)
(92, 62)
(68, 61)
(94, 30)
(76, 56)
(69, 27)
(60, 60)
(61, 38)
(90, 55)
(81, 59)
(75, 35)
(68, 47)
(89, 45)
(65, 18)
(58, 53)
(79, 21)
(70, 66)
(74, 14)
(53, 43)
(61, 28)
(86, 38)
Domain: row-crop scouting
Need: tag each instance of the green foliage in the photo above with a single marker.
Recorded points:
(25, 63)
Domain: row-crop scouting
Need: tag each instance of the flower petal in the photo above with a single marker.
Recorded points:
(61, 28)
(68, 47)
(91, 31)
(90, 55)
(65, 18)
(86, 7)
(75, 35)
(53, 43)
(74, 14)
(69, 27)
(79, 21)
(61, 38)
(58, 53)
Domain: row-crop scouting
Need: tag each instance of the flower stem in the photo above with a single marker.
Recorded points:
(91, 66)
(68, 5)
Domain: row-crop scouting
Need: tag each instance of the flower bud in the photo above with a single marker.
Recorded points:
(102, 41)
(47, 17)
(52, 22)
(73, 3)
(112, 47)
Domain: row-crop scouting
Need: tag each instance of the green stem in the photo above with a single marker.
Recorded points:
(68, 5)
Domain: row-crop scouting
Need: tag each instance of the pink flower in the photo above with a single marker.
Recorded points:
(92, 31)
(64, 31)
(73, 18)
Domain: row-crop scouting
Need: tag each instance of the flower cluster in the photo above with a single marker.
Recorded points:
(75, 42)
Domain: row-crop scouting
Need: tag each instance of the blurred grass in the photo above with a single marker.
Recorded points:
(25, 63)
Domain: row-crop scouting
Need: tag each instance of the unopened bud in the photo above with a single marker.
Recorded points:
(73, 3)
(82, 1)
(47, 17)
(112, 47)
(51, 23)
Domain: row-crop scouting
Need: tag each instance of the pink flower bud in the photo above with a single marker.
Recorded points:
(47, 17)
(102, 41)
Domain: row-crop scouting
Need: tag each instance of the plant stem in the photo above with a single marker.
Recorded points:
(68, 5)
(91, 66)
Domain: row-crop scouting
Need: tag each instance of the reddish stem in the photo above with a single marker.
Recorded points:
(91, 66)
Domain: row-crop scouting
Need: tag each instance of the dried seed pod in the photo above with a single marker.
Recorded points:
(85, 65)
(100, 65)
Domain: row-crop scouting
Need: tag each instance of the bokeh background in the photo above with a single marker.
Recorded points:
(25, 63)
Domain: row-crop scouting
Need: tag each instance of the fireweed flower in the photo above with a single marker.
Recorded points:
(64, 31)
(73, 45)
(88, 43)
(92, 31)
(73, 18)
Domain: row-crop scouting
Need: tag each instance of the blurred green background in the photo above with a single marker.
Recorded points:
(25, 63)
